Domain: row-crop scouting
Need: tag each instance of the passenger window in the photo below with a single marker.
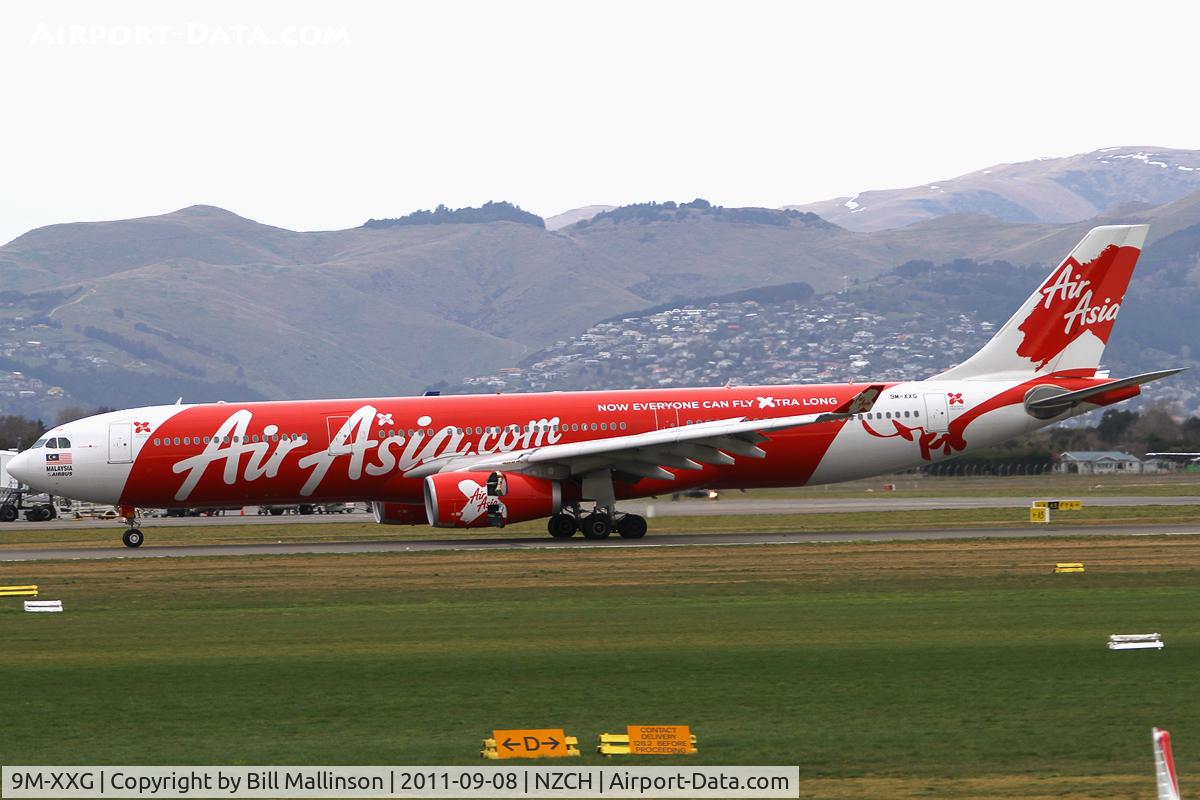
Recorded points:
(156, 442)
(177, 440)
(622, 426)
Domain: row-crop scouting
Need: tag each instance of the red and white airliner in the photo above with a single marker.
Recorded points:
(489, 460)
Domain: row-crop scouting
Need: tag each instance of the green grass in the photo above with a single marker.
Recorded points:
(883, 670)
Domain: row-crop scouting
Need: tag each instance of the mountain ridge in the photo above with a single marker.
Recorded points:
(134, 310)
(1048, 190)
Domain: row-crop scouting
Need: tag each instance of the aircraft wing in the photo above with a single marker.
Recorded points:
(1181, 456)
(649, 454)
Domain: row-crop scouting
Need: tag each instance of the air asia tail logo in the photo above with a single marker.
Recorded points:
(1077, 298)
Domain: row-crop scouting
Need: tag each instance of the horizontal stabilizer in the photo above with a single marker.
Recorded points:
(1058, 403)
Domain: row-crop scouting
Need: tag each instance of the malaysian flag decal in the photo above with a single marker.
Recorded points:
(58, 458)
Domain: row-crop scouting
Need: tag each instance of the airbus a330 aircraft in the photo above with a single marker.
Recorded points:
(487, 460)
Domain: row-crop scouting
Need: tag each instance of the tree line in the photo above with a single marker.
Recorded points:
(1150, 431)
(18, 432)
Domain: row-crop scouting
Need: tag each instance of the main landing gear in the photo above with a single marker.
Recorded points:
(604, 518)
(133, 536)
(597, 525)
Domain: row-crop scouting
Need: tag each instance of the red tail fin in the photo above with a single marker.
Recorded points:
(1065, 324)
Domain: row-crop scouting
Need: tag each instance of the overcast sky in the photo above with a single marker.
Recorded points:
(320, 115)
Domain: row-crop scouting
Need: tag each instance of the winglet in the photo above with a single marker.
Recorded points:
(862, 402)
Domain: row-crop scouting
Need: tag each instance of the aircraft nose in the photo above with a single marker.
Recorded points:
(21, 467)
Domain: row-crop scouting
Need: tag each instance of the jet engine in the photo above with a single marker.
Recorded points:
(481, 499)
(398, 513)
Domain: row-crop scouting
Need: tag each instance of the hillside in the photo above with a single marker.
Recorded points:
(879, 330)
(1047, 190)
(571, 216)
(206, 304)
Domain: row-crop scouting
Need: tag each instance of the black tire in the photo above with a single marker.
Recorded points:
(48, 512)
(595, 526)
(306, 509)
(631, 526)
(562, 526)
(275, 512)
(8, 514)
(35, 514)
(132, 538)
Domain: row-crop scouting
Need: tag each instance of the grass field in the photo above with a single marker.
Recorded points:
(890, 670)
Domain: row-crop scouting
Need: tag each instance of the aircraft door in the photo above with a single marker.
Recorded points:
(937, 413)
(120, 443)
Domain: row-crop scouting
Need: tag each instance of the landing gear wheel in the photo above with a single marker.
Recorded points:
(595, 526)
(132, 538)
(631, 526)
(306, 509)
(275, 512)
(8, 514)
(562, 526)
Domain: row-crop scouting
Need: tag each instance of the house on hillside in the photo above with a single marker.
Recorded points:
(1101, 462)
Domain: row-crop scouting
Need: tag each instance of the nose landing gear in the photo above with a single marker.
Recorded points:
(133, 536)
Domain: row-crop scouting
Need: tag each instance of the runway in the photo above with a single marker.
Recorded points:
(116, 551)
(731, 506)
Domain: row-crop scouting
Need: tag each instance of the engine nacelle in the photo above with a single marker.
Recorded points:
(399, 513)
(481, 499)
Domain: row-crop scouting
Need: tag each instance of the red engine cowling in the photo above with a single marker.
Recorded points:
(399, 513)
(481, 499)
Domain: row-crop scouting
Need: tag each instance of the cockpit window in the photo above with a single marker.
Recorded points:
(64, 442)
(38, 443)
